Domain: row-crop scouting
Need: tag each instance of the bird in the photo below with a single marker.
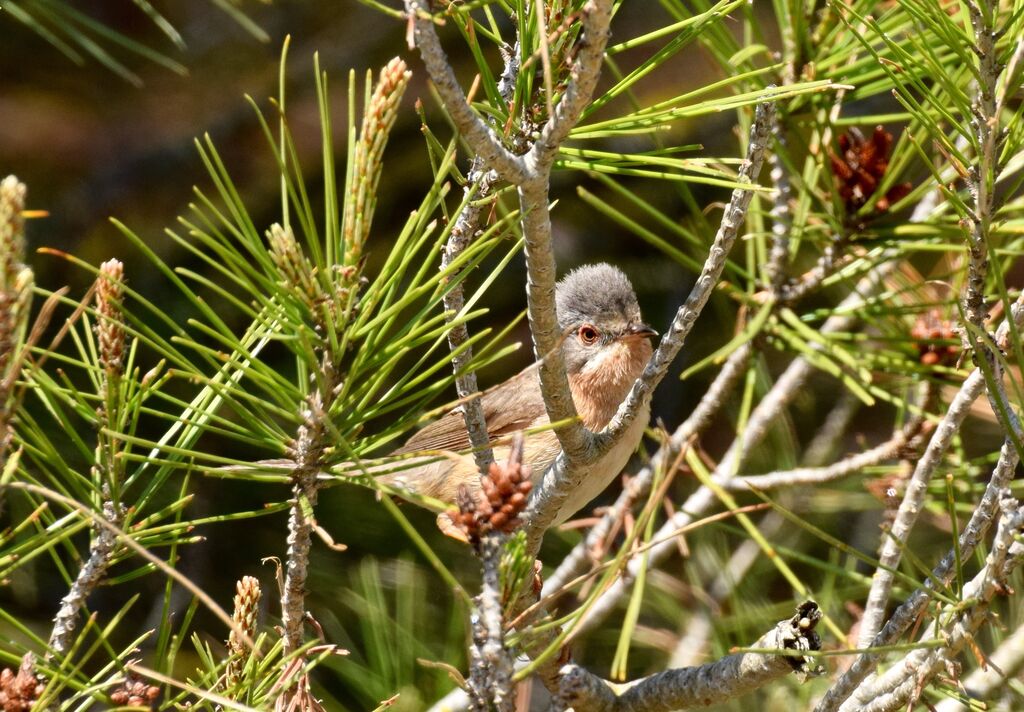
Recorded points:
(605, 346)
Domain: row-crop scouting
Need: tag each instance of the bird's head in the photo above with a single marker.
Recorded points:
(606, 341)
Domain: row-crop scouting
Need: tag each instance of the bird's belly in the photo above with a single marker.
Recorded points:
(606, 469)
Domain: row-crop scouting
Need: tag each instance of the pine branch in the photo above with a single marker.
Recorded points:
(717, 682)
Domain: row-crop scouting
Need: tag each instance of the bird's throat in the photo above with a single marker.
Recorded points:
(603, 382)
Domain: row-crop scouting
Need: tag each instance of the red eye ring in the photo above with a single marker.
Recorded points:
(589, 335)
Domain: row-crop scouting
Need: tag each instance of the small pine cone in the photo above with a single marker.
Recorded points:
(109, 327)
(472, 515)
(511, 485)
(501, 499)
(134, 692)
(859, 168)
(930, 328)
(19, 691)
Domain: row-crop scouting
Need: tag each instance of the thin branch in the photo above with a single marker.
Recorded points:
(108, 467)
(819, 475)
(763, 417)
(686, 316)
(912, 504)
(903, 682)
(465, 228)
(577, 561)
(830, 260)
(159, 564)
(101, 551)
(308, 455)
(490, 669)
(1001, 666)
(909, 612)
(596, 18)
(564, 476)
(534, 204)
(985, 123)
(483, 140)
(714, 683)
(544, 328)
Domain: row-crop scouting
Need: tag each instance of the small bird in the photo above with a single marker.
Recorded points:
(605, 346)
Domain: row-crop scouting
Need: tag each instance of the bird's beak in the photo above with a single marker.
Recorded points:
(640, 331)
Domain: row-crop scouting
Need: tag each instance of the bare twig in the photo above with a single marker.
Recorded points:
(818, 475)
(907, 613)
(101, 550)
(307, 454)
(903, 682)
(912, 503)
(484, 141)
(564, 475)
(710, 404)
(491, 679)
(466, 225)
(1002, 665)
(716, 682)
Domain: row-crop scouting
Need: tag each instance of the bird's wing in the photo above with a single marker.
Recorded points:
(514, 405)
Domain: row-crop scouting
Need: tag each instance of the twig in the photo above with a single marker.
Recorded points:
(686, 316)
(818, 475)
(710, 404)
(95, 567)
(716, 682)
(483, 140)
(107, 466)
(158, 563)
(827, 263)
(596, 17)
(531, 174)
(907, 613)
(534, 204)
(904, 681)
(564, 475)
(912, 503)
(981, 176)
(307, 454)
(466, 225)
(491, 679)
(1002, 665)
(311, 440)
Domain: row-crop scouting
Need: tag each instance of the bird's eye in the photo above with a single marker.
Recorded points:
(588, 334)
